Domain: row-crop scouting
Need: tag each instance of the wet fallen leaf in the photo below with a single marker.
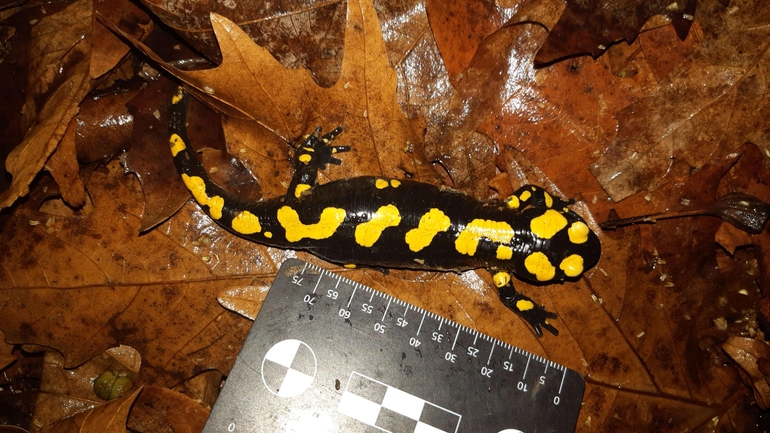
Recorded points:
(64, 168)
(715, 93)
(589, 27)
(754, 358)
(160, 410)
(58, 40)
(645, 327)
(6, 352)
(55, 291)
(107, 418)
(302, 35)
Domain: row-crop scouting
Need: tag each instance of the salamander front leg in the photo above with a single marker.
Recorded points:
(526, 308)
(312, 154)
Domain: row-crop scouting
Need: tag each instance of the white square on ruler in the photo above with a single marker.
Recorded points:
(283, 353)
(401, 402)
(425, 428)
(359, 408)
(294, 383)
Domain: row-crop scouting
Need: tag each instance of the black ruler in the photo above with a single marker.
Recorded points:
(328, 354)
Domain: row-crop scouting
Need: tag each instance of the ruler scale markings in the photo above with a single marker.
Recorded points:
(511, 353)
(371, 297)
(386, 311)
(529, 358)
(317, 283)
(440, 322)
(351, 297)
(562, 380)
(456, 335)
(490, 354)
(420, 327)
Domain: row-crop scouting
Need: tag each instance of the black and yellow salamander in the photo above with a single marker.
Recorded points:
(399, 223)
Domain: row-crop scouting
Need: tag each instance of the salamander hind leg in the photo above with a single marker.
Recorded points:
(535, 196)
(312, 154)
(524, 307)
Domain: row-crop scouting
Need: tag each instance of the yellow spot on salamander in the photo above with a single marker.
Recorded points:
(197, 187)
(177, 96)
(269, 235)
(525, 196)
(381, 183)
(431, 223)
(305, 158)
(496, 231)
(394, 183)
(349, 265)
(548, 199)
(367, 233)
(524, 305)
(578, 232)
(539, 265)
(246, 223)
(177, 144)
(330, 220)
(302, 187)
(504, 252)
(308, 149)
(501, 279)
(572, 265)
(548, 224)
(512, 202)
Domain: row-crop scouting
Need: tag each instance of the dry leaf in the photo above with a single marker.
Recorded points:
(57, 40)
(112, 287)
(641, 326)
(754, 358)
(107, 418)
(64, 168)
(589, 27)
(6, 352)
(160, 410)
(302, 35)
(715, 93)
(362, 101)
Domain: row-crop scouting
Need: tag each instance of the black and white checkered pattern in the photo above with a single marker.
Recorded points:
(393, 410)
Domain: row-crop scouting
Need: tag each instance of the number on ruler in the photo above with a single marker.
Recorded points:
(472, 351)
(379, 327)
(438, 338)
(414, 342)
(309, 299)
(401, 322)
(296, 280)
(487, 372)
(507, 366)
(451, 357)
(331, 294)
(366, 308)
(345, 314)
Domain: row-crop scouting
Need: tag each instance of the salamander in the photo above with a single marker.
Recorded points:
(400, 223)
